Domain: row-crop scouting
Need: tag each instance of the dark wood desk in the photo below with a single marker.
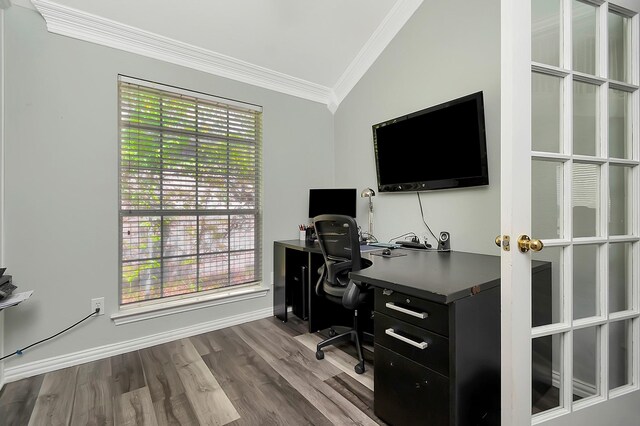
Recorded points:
(440, 365)
(437, 336)
(295, 273)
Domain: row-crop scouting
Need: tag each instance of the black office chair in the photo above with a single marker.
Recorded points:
(340, 245)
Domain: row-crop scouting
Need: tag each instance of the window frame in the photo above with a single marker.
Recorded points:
(197, 211)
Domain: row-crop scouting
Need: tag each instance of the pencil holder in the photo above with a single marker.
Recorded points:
(310, 234)
(303, 235)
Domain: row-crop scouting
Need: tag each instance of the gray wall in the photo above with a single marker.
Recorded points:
(446, 50)
(62, 184)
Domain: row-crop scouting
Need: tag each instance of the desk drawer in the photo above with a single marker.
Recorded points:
(422, 313)
(406, 393)
(419, 345)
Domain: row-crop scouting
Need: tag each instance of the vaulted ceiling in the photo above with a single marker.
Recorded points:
(312, 49)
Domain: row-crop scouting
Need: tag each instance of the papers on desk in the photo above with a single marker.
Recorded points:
(15, 298)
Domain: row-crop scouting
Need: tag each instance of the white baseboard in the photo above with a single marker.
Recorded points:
(12, 374)
(580, 387)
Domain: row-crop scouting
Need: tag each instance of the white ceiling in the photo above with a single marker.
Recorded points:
(326, 45)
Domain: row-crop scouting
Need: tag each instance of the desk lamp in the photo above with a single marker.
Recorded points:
(368, 192)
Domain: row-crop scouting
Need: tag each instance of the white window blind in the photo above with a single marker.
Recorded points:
(189, 192)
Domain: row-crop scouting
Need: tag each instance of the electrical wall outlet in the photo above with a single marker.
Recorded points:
(98, 303)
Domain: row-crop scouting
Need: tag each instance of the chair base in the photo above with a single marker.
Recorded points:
(339, 334)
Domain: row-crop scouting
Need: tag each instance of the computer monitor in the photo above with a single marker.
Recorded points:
(332, 201)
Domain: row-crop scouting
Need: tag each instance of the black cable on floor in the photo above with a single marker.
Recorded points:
(19, 351)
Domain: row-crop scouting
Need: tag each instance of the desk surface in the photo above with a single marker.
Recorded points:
(301, 245)
(442, 277)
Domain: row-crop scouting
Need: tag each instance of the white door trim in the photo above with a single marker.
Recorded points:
(515, 125)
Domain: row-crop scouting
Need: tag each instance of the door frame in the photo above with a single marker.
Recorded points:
(515, 209)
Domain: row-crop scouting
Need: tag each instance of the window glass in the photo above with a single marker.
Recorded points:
(189, 192)
(620, 131)
(619, 47)
(585, 116)
(546, 101)
(584, 37)
(545, 31)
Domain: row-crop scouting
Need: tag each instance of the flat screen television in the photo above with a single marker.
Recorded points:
(332, 201)
(443, 146)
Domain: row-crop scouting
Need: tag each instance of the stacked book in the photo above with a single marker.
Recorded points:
(6, 285)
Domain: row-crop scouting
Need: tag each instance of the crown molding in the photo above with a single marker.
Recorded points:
(84, 26)
(70, 22)
(22, 3)
(380, 39)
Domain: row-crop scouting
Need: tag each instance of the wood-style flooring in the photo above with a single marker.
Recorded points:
(260, 373)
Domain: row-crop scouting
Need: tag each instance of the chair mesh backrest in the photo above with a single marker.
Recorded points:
(338, 239)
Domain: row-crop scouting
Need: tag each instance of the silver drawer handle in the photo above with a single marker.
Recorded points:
(419, 345)
(421, 315)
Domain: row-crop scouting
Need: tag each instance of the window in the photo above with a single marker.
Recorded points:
(189, 192)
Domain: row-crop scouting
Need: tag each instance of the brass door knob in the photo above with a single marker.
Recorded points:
(525, 243)
(498, 240)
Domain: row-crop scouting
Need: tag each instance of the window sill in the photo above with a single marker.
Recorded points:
(156, 310)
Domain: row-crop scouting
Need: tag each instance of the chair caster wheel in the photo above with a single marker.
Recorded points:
(359, 368)
(319, 354)
(332, 332)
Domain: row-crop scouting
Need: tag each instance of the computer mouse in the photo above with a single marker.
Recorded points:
(386, 252)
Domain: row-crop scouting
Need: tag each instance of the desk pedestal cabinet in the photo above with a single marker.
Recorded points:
(437, 338)
(437, 364)
(295, 269)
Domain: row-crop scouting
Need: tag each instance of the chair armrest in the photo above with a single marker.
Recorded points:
(335, 268)
(351, 297)
(321, 272)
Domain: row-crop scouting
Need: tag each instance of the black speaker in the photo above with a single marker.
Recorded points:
(444, 241)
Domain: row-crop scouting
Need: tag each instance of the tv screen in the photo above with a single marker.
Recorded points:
(332, 201)
(440, 147)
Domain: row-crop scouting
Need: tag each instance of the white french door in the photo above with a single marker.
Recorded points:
(570, 166)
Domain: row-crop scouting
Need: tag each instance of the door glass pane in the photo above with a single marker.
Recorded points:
(547, 199)
(619, 47)
(620, 354)
(584, 118)
(619, 200)
(545, 293)
(585, 281)
(546, 359)
(585, 363)
(620, 276)
(619, 124)
(586, 196)
(546, 100)
(545, 31)
(584, 37)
